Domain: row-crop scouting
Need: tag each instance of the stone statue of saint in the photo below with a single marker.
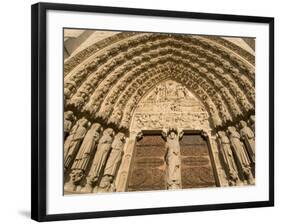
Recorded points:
(74, 140)
(252, 122)
(112, 163)
(101, 155)
(115, 156)
(227, 156)
(172, 158)
(69, 88)
(248, 137)
(68, 122)
(87, 147)
(243, 160)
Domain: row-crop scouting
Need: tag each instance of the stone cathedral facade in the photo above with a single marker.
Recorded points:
(152, 111)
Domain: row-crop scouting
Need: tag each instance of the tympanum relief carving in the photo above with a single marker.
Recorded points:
(170, 104)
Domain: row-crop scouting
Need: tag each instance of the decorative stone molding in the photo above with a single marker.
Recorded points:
(169, 49)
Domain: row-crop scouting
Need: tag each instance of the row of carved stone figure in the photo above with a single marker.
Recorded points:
(91, 156)
(237, 148)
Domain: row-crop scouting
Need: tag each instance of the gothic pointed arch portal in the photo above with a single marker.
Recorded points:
(167, 105)
(128, 84)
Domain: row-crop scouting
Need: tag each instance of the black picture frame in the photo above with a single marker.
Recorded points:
(39, 108)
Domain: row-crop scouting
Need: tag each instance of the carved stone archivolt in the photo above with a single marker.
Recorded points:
(134, 82)
(165, 45)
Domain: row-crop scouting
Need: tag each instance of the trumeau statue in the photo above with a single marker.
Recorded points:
(88, 146)
(68, 122)
(227, 155)
(172, 158)
(74, 140)
(101, 155)
(112, 163)
(248, 137)
(243, 160)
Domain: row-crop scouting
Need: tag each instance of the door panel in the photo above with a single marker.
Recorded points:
(148, 168)
(196, 165)
(148, 165)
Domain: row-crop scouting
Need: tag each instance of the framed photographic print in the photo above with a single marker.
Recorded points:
(138, 111)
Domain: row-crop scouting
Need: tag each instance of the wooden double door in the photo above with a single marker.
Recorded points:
(148, 168)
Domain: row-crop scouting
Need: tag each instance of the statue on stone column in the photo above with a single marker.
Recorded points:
(243, 160)
(112, 164)
(100, 158)
(68, 122)
(87, 147)
(172, 158)
(248, 137)
(227, 156)
(74, 140)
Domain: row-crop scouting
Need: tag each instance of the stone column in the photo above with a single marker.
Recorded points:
(123, 173)
(99, 161)
(219, 173)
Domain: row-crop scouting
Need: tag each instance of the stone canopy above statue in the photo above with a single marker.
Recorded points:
(170, 103)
